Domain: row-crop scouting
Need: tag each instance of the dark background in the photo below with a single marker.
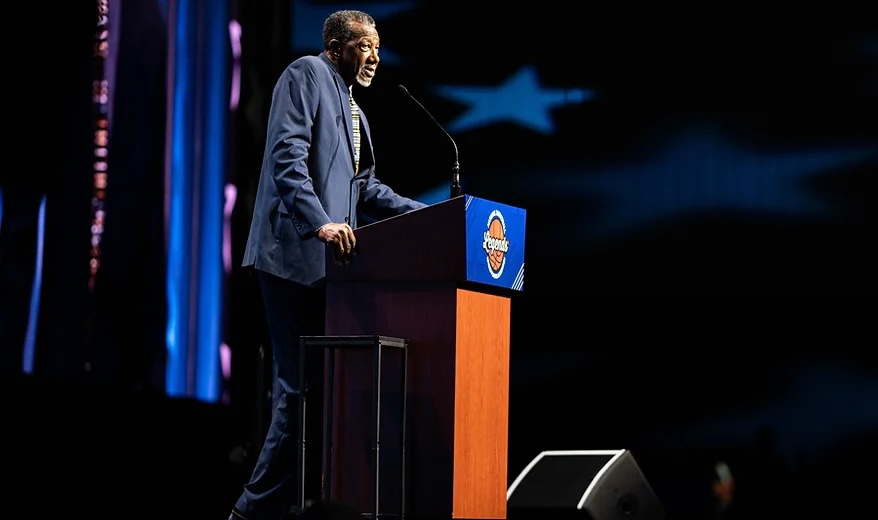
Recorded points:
(700, 260)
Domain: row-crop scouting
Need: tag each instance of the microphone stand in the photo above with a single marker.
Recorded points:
(455, 168)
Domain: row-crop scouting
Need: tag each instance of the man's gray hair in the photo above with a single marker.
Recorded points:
(338, 26)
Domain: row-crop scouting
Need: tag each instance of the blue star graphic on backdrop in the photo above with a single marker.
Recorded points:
(699, 171)
(306, 22)
(702, 171)
(520, 100)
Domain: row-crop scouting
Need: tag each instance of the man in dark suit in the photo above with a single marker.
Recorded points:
(318, 172)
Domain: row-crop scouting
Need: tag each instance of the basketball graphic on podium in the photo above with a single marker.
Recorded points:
(495, 244)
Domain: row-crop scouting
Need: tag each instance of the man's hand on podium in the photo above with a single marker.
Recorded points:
(342, 240)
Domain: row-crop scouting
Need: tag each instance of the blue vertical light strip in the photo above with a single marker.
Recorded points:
(199, 119)
(215, 83)
(182, 17)
(30, 338)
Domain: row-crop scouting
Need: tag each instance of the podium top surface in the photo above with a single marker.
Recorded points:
(463, 239)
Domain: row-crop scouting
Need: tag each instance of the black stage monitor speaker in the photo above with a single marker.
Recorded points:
(593, 485)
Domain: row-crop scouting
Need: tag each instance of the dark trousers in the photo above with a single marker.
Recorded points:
(291, 310)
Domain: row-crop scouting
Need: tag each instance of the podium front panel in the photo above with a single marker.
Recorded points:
(495, 243)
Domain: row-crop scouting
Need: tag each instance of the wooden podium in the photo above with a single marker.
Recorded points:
(441, 278)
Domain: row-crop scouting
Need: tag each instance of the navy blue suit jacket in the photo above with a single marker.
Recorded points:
(307, 178)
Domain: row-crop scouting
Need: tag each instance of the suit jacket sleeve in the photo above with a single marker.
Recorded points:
(290, 127)
(380, 200)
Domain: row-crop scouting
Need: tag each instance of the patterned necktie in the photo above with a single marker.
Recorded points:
(355, 123)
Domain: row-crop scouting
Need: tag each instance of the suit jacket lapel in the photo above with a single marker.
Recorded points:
(344, 102)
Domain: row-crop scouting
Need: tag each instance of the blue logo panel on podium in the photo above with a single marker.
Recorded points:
(495, 243)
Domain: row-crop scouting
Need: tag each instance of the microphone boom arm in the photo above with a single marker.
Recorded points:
(455, 167)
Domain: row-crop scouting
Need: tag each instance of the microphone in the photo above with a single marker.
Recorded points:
(455, 168)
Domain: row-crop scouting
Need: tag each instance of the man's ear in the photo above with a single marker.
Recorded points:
(335, 49)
